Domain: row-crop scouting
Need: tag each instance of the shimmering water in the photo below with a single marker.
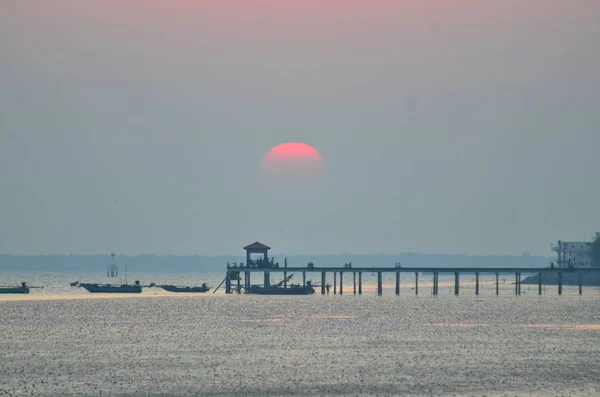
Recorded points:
(170, 345)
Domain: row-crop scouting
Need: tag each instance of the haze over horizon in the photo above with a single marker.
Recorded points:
(446, 127)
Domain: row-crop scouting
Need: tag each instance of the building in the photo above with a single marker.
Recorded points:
(574, 253)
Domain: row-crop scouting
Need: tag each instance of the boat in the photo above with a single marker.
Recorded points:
(174, 288)
(281, 289)
(294, 290)
(113, 288)
(22, 289)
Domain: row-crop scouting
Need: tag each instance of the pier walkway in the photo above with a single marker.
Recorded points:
(234, 274)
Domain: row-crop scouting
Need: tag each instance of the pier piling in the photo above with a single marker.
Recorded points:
(497, 283)
(341, 283)
(456, 283)
(379, 286)
(560, 283)
(476, 283)
(284, 279)
(360, 283)
(436, 278)
(334, 283)
(539, 283)
(397, 283)
(354, 282)
(416, 283)
(322, 283)
(304, 279)
(580, 284)
(267, 280)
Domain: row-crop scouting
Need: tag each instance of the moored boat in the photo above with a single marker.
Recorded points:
(113, 288)
(22, 289)
(174, 288)
(278, 290)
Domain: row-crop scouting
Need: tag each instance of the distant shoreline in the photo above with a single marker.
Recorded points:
(192, 263)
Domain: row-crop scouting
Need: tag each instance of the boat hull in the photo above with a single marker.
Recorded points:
(173, 288)
(280, 291)
(14, 290)
(113, 289)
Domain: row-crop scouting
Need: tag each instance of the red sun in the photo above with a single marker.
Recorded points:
(293, 159)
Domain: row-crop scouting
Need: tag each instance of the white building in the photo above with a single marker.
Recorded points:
(573, 253)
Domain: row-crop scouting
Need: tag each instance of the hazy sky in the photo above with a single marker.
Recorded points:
(456, 126)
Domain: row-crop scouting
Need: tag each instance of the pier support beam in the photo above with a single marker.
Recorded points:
(397, 283)
(322, 283)
(267, 280)
(284, 279)
(476, 283)
(456, 283)
(247, 279)
(436, 277)
(560, 283)
(539, 283)
(580, 284)
(416, 283)
(304, 279)
(497, 283)
(360, 283)
(354, 282)
(341, 283)
(379, 286)
(334, 283)
(517, 283)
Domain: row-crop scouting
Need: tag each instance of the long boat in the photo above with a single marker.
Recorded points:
(22, 289)
(299, 290)
(113, 288)
(174, 288)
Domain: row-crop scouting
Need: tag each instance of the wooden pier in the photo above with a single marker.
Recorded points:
(263, 265)
(357, 282)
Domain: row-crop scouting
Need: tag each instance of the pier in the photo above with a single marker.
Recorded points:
(266, 266)
(337, 273)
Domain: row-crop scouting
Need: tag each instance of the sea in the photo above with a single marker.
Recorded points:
(64, 341)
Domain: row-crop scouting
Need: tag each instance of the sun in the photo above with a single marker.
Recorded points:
(293, 159)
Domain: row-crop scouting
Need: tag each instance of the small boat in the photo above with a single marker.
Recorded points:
(113, 288)
(308, 290)
(174, 288)
(22, 289)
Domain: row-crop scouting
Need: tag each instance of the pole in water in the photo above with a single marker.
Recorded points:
(416, 283)
(360, 283)
(497, 284)
(456, 283)
(341, 283)
(334, 283)
(560, 283)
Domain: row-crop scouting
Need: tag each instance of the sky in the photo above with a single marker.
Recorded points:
(139, 126)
